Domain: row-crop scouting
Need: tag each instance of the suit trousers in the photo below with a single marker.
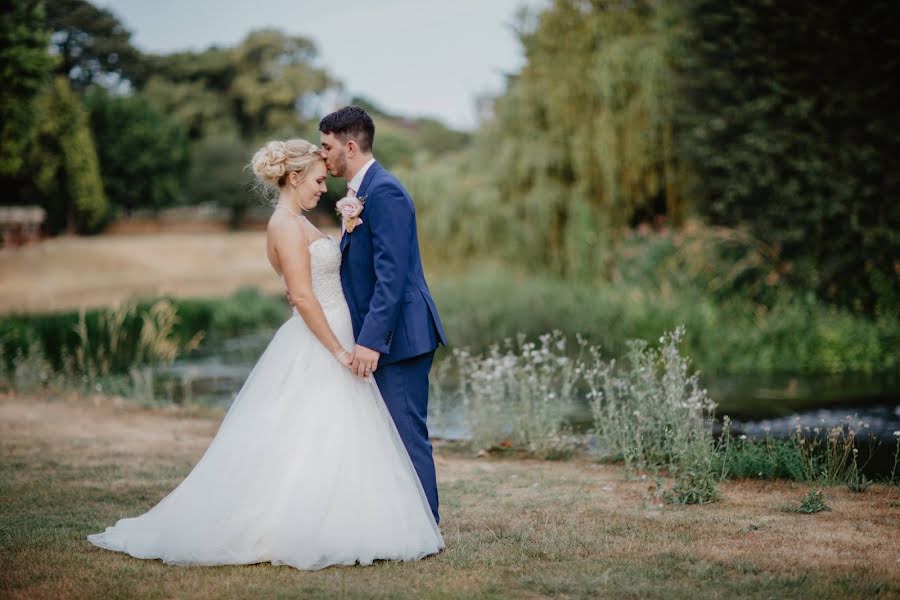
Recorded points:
(404, 387)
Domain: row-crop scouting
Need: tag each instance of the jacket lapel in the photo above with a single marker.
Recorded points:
(363, 187)
(370, 174)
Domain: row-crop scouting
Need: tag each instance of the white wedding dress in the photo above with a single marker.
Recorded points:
(306, 470)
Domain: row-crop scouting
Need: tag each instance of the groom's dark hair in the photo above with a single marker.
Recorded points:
(350, 122)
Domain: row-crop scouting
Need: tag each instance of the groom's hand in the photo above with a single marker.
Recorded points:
(364, 361)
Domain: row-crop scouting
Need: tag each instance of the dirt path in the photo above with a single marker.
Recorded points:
(505, 511)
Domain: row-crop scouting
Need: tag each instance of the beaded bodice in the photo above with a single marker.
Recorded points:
(325, 256)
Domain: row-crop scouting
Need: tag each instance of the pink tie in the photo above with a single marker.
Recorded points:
(351, 193)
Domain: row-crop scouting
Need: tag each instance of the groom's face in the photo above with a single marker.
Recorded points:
(335, 153)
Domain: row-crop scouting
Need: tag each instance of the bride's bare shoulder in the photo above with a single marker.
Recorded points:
(284, 224)
(286, 233)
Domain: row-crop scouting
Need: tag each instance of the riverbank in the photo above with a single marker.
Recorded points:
(514, 528)
(43, 286)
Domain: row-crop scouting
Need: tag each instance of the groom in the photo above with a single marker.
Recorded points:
(395, 321)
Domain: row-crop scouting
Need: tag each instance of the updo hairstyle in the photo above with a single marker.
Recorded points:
(276, 160)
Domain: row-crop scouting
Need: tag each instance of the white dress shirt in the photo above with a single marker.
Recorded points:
(357, 180)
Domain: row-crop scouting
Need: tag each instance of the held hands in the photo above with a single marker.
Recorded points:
(362, 362)
(343, 357)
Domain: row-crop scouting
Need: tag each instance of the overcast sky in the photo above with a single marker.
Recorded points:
(414, 57)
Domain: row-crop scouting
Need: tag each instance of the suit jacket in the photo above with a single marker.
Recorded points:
(381, 273)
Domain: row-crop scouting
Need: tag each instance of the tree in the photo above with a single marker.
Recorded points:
(789, 118)
(193, 88)
(92, 44)
(274, 71)
(252, 89)
(143, 154)
(580, 145)
(64, 166)
(25, 68)
(219, 175)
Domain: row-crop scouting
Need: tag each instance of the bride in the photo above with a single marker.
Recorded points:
(307, 468)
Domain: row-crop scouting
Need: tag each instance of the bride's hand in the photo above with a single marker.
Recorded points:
(343, 357)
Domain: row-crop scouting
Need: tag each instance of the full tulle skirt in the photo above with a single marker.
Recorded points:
(307, 470)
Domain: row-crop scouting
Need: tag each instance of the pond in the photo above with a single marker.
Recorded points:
(759, 405)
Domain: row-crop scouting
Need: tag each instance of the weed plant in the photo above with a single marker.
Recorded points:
(114, 352)
(813, 502)
(520, 394)
(650, 412)
(826, 455)
(655, 415)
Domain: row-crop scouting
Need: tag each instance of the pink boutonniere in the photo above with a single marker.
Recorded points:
(348, 209)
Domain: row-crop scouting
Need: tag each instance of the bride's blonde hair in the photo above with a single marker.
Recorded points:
(276, 160)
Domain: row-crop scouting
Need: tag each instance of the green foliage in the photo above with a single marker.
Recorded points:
(696, 482)
(518, 395)
(25, 68)
(776, 120)
(92, 348)
(788, 120)
(57, 336)
(651, 412)
(143, 154)
(579, 145)
(123, 337)
(484, 306)
(248, 311)
(64, 164)
(219, 174)
(827, 455)
(654, 414)
(770, 458)
(858, 483)
(250, 90)
(798, 334)
(813, 502)
(92, 44)
(202, 110)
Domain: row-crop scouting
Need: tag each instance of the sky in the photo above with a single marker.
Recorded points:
(412, 57)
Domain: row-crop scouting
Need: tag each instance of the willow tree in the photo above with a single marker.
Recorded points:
(579, 145)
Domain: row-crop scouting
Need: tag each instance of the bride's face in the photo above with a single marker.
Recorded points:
(310, 189)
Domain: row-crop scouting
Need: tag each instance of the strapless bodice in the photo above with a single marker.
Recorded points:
(325, 255)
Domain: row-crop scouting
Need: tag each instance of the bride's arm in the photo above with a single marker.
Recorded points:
(292, 248)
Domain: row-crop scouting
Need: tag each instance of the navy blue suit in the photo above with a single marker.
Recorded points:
(393, 312)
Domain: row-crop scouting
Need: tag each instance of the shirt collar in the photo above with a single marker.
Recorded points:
(357, 180)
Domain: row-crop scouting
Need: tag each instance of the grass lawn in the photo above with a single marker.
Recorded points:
(514, 528)
(72, 272)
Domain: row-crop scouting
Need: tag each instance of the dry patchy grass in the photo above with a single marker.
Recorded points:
(73, 272)
(514, 528)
